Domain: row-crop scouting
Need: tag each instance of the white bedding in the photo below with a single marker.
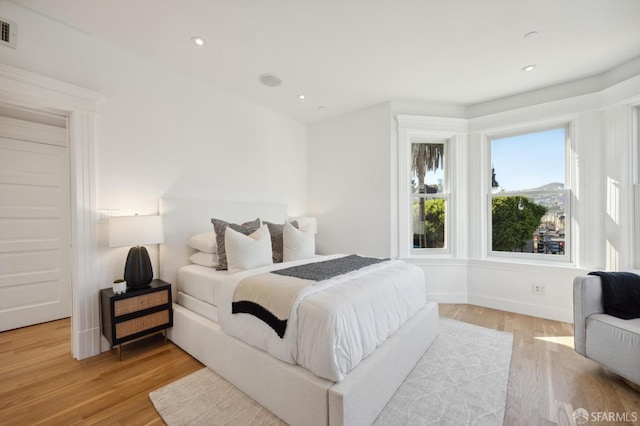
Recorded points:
(197, 306)
(335, 323)
(201, 282)
(287, 390)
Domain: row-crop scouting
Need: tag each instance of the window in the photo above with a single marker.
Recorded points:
(529, 201)
(430, 175)
(636, 188)
(429, 195)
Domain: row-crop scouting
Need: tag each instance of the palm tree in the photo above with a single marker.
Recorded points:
(425, 157)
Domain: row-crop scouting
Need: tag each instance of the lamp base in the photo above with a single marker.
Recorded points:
(138, 272)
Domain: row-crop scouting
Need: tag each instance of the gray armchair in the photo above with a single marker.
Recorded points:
(608, 340)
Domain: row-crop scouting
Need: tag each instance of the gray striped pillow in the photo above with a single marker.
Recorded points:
(220, 226)
(277, 243)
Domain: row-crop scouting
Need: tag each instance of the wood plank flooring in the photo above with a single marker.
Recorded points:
(40, 383)
(548, 379)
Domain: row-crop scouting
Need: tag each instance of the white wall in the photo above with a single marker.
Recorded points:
(160, 133)
(350, 182)
(603, 151)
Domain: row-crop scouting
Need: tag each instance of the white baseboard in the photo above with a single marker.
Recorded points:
(447, 297)
(88, 343)
(540, 311)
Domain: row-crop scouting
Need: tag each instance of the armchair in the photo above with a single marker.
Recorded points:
(610, 341)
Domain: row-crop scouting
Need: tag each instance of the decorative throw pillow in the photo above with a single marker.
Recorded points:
(220, 226)
(247, 252)
(276, 239)
(204, 242)
(201, 258)
(298, 243)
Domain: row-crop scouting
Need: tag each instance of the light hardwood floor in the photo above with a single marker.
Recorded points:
(547, 374)
(40, 383)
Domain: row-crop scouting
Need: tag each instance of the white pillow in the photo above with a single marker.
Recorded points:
(247, 251)
(204, 259)
(298, 243)
(204, 242)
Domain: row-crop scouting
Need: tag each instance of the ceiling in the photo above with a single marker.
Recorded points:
(344, 55)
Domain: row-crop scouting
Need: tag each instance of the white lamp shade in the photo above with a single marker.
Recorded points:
(127, 231)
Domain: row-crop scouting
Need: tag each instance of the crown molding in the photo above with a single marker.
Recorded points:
(17, 84)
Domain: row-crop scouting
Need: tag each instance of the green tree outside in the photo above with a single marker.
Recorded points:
(514, 219)
(432, 234)
(434, 222)
(512, 227)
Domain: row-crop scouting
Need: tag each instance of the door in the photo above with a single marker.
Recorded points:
(35, 277)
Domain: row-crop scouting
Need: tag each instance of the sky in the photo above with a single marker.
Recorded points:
(529, 161)
(525, 161)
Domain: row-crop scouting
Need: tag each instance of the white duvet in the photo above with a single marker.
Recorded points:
(335, 323)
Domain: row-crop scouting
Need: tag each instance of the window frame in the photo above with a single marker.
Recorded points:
(445, 195)
(636, 184)
(424, 128)
(567, 192)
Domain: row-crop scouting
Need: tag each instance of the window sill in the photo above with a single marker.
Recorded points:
(434, 252)
(491, 262)
(560, 264)
(531, 259)
(434, 259)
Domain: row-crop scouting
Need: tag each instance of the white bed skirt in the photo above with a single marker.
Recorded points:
(293, 393)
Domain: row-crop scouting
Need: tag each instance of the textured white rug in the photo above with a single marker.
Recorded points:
(460, 380)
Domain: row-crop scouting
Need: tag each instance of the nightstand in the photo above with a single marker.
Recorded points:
(136, 314)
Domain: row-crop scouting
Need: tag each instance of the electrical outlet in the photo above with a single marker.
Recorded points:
(538, 289)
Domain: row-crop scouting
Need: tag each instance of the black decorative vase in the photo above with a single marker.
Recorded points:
(138, 272)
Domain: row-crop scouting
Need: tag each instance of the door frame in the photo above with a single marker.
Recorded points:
(29, 90)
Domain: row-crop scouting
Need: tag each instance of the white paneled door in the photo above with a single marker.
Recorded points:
(35, 278)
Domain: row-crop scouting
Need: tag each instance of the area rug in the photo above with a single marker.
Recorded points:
(460, 380)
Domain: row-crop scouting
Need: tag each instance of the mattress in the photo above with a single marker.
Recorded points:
(201, 283)
(199, 307)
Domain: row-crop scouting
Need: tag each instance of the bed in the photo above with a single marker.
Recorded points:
(290, 391)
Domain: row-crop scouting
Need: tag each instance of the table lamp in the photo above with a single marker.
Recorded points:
(135, 232)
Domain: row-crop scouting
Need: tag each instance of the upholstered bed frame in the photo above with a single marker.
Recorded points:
(290, 392)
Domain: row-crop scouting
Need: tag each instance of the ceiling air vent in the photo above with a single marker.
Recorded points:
(8, 30)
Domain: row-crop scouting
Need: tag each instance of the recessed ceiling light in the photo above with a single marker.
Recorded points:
(302, 97)
(529, 68)
(270, 80)
(198, 41)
